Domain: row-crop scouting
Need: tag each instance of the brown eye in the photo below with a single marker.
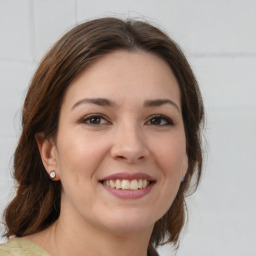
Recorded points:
(95, 120)
(156, 121)
(159, 120)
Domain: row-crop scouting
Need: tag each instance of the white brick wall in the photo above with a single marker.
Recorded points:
(15, 30)
(52, 19)
(219, 38)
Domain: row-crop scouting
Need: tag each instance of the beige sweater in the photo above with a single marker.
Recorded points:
(24, 247)
(21, 247)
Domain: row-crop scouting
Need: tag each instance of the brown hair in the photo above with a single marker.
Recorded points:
(37, 202)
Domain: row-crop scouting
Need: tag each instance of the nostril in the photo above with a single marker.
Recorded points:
(130, 158)
(121, 157)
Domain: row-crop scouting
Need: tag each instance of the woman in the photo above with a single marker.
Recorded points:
(110, 142)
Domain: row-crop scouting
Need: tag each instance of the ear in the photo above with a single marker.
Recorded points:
(48, 152)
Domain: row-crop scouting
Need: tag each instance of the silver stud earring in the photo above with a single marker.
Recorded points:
(52, 175)
(183, 179)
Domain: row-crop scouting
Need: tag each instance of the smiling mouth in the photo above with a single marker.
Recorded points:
(124, 184)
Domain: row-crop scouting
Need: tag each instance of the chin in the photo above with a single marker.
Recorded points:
(129, 221)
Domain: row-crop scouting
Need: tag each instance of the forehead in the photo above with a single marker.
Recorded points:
(125, 75)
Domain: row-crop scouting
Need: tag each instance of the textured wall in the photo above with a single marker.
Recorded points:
(219, 39)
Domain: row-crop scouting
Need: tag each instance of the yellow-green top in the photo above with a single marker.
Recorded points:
(21, 247)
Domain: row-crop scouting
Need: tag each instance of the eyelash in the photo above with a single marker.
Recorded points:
(98, 117)
(87, 120)
(167, 120)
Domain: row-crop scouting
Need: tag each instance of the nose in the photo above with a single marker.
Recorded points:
(129, 144)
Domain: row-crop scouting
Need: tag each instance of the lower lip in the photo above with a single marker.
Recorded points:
(129, 194)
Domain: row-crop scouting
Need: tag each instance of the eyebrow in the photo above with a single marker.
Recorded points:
(160, 102)
(96, 101)
(106, 102)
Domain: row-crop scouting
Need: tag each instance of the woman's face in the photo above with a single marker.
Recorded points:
(120, 148)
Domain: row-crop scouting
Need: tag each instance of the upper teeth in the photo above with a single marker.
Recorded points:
(127, 184)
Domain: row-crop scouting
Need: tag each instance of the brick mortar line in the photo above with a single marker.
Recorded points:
(223, 55)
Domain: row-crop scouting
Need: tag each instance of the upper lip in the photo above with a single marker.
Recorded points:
(128, 176)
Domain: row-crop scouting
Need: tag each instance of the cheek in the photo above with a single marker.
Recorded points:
(171, 154)
(172, 161)
(79, 154)
(78, 160)
(173, 165)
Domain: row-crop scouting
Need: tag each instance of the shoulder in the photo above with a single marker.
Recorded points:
(21, 247)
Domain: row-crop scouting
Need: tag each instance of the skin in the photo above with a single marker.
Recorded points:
(126, 137)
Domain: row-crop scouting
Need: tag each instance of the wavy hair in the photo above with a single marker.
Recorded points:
(37, 202)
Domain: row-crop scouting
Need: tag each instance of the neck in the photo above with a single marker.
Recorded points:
(70, 237)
